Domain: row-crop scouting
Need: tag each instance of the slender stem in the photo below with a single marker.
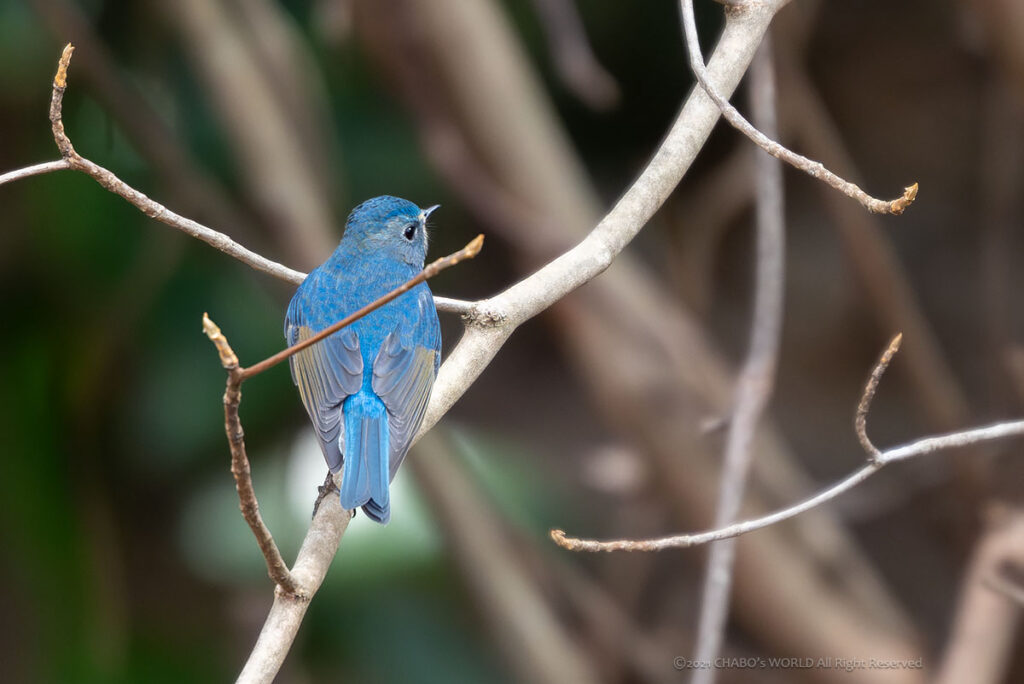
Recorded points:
(757, 375)
(277, 569)
(876, 462)
(920, 447)
(766, 143)
(860, 420)
(70, 159)
(35, 170)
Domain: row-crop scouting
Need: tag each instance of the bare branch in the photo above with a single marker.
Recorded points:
(860, 420)
(276, 567)
(36, 170)
(72, 160)
(282, 624)
(757, 377)
(143, 203)
(459, 307)
(876, 462)
(188, 183)
(808, 166)
(493, 320)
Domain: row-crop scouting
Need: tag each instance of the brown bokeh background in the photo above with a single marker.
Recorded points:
(124, 557)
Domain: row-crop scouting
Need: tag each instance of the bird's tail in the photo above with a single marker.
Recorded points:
(364, 482)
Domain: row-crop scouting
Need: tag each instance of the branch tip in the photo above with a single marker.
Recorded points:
(474, 247)
(228, 359)
(860, 421)
(60, 79)
(769, 145)
(897, 206)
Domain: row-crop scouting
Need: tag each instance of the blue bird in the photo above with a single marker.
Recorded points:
(366, 387)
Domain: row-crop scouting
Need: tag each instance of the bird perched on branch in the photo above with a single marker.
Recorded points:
(366, 386)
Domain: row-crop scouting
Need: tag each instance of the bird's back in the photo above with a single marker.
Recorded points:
(369, 423)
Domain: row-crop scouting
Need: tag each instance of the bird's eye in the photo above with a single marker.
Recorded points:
(410, 231)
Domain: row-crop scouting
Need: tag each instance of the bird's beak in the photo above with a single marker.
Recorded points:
(430, 210)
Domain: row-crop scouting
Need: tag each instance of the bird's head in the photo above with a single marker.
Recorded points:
(394, 227)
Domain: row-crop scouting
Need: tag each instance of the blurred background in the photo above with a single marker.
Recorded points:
(124, 556)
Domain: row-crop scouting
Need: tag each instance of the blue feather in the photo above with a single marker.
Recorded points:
(379, 371)
(366, 456)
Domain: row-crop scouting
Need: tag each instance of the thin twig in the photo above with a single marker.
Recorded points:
(892, 298)
(276, 567)
(70, 159)
(247, 501)
(875, 463)
(188, 183)
(36, 170)
(143, 203)
(808, 166)
(860, 419)
(757, 377)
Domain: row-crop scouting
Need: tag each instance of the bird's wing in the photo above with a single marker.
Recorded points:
(403, 375)
(326, 374)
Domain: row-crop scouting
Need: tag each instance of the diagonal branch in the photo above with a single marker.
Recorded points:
(876, 462)
(808, 166)
(70, 159)
(150, 208)
(490, 322)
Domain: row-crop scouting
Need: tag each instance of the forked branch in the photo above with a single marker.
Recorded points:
(876, 461)
(808, 166)
(70, 159)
